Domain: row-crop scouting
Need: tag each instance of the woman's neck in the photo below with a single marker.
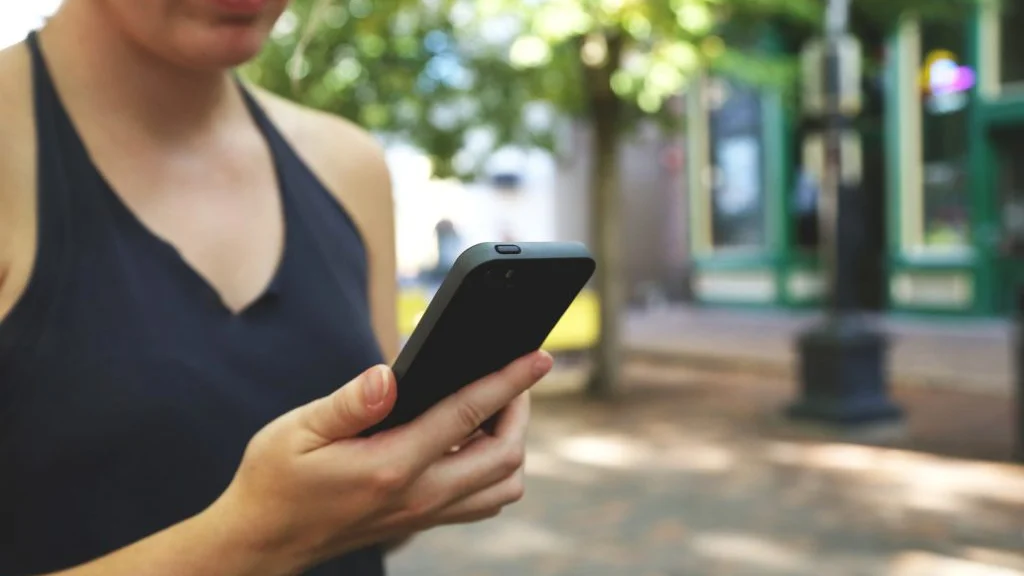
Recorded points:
(107, 73)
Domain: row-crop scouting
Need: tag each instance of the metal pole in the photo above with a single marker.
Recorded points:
(835, 27)
(842, 360)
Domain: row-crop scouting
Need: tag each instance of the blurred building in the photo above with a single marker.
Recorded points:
(654, 209)
(437, 219)
(943, 156)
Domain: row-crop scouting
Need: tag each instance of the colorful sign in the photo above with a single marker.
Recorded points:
(941, 74)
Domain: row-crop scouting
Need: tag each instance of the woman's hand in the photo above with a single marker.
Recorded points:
(309, 488)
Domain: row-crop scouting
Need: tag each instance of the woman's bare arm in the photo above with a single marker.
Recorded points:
(204, 545)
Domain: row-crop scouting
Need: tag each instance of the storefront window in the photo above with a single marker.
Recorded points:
(1010, 148)
(945, 85)
(737, 187)
(1011, 45)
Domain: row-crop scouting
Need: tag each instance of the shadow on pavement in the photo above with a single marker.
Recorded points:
(690, 476)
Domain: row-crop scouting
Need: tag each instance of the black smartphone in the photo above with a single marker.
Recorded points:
(499, 302)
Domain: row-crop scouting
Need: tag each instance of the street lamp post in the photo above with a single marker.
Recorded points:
(843, 359)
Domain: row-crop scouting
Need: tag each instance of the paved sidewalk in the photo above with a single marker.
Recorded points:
(694, 474)
(972, 355)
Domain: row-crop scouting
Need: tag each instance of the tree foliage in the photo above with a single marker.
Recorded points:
(459, 78)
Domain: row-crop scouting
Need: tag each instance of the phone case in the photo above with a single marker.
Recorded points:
(499, 302)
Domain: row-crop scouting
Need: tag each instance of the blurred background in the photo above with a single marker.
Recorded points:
(799, 356)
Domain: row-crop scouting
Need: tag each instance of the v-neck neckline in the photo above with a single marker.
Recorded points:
(129, 218)
(273, 284)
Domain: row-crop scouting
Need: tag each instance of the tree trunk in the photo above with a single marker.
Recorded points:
(605, 114)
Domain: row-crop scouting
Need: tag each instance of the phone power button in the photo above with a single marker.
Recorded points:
(507, 249)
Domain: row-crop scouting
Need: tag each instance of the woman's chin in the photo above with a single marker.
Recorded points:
(222, 48)
(229, 58)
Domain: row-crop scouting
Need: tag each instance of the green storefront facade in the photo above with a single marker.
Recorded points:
(943, 158)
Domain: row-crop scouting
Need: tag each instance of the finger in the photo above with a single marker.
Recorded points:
(476, 436)
(485, 463)
(485, 503)
(458, 416)
(479, 466)
(356, 406)
(514, 419)
(469, 518)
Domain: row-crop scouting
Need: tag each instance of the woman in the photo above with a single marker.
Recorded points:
(190, 269)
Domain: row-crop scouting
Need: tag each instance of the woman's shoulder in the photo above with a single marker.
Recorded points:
(16, 126)
(17, 134)
(15, 75)
(347, 159)
(17, 174)
(333, 144)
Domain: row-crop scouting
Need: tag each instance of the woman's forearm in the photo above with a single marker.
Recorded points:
(208, 544)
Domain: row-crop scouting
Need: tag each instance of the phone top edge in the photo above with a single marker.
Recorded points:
(486, 251)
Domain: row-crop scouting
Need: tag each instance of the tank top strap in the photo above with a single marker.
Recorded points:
(282, 151)
(302, 190)
(66, 174)
(27, 323)
(61, 151)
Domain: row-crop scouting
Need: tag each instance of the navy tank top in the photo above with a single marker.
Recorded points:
(128, 391)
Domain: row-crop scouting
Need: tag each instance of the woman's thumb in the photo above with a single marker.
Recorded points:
(354, 407)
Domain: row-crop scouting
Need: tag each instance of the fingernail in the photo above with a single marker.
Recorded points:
(542, 364)
(376, 388)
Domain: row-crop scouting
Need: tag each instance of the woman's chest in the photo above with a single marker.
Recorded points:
(117, 375)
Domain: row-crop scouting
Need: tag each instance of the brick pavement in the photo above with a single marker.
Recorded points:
(695, 474)
(972, 355)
